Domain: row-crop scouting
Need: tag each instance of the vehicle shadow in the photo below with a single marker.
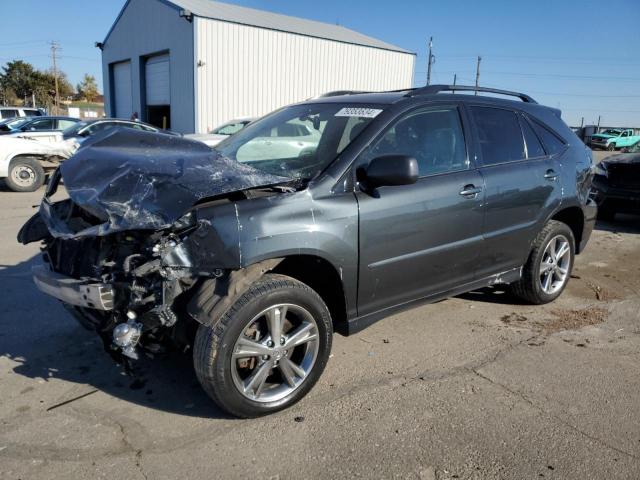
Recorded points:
(498, 294)
(621, 224)
(47, 343)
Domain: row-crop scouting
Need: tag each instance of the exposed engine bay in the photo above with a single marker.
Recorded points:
(126, 246)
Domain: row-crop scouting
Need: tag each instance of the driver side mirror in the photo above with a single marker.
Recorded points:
(390, 170)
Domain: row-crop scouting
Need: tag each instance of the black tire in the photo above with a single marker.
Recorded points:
(611, 147)
(214, 344)
(606, 213)
(528, 288)
(31, 172)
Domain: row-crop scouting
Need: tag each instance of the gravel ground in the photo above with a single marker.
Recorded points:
(477, 386)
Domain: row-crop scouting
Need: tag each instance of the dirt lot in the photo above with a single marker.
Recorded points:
(477, 386)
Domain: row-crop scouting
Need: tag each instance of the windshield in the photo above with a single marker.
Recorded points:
(74, 129)
(14, 123)
(299, 141)
(612, 132)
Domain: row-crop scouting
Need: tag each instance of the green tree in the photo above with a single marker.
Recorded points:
(88, 88)
(18, 77)
(20, 80)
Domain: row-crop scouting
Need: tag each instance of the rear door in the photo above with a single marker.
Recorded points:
(522, 186)
(421, 239)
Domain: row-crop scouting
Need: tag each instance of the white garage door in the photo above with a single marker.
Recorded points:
(157, 80)
(123, 101)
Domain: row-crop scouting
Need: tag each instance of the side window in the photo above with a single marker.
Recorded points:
(551, 142)
(32, 113)
(44, 124)
(9, 113)
(434, 137)
(534, 147)
(624, 134)
(64, 124)
(499, 133)
(231, 129)
(98, 127)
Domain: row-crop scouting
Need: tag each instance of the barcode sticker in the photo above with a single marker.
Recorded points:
(358, 112)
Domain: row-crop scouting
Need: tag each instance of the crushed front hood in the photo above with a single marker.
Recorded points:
(134, 180)
(627, 158)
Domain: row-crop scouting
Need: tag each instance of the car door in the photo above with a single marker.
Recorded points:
(421, 239)
(522, 186)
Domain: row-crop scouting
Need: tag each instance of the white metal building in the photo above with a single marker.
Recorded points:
(194, 64)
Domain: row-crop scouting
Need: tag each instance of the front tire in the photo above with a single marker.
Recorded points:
(267, 351)
(25, 175)
(548, 268)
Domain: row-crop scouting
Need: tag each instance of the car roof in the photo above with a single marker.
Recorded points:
(52, 117)
(414, 96)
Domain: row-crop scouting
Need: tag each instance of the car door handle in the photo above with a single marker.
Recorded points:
(551, 175)
(470, 191)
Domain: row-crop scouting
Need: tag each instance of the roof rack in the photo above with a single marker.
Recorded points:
(432, 89)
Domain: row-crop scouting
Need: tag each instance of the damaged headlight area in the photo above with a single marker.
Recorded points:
(127, 286)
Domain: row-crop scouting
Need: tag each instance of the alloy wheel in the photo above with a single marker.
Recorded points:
(555, 263)
(275, 352)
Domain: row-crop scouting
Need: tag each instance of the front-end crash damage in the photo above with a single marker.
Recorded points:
(126, 252)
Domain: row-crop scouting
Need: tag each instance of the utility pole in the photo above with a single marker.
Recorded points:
(430, 61)
(455, 77)
(54, 49)
(478, 73)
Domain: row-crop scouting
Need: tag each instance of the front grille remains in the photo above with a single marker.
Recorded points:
(624, 175)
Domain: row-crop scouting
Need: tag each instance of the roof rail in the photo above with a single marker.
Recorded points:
(337, 93)
(431, 89)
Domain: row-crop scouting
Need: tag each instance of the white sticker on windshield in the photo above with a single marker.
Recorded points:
(358, 112)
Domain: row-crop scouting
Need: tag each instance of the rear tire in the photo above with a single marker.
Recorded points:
(611, 147)
(543, 278)
(25, 175)
(229, 378)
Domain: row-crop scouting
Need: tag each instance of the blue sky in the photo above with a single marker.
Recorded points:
(581, 56)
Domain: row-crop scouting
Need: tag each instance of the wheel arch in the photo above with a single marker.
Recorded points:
(214, 296)
(573, 217)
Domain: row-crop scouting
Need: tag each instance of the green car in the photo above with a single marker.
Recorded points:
(613, 138)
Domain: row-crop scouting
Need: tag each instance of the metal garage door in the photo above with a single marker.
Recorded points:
(121, 90)
(157, 80)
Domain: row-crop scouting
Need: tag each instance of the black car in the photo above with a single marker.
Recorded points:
(253, 254)
(616, 184)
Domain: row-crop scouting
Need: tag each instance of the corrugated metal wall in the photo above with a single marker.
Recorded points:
(248, 71)
(145, 28)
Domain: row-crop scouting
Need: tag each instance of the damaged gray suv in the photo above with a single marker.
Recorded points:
(253, 255)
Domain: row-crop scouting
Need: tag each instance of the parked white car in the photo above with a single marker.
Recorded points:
(42, 129)
(220, 133)
(24, 163)
(10, 112)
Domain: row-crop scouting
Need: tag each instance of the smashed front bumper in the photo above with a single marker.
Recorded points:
(80, 293)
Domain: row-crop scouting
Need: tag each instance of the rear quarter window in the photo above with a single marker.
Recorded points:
(552, 142)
